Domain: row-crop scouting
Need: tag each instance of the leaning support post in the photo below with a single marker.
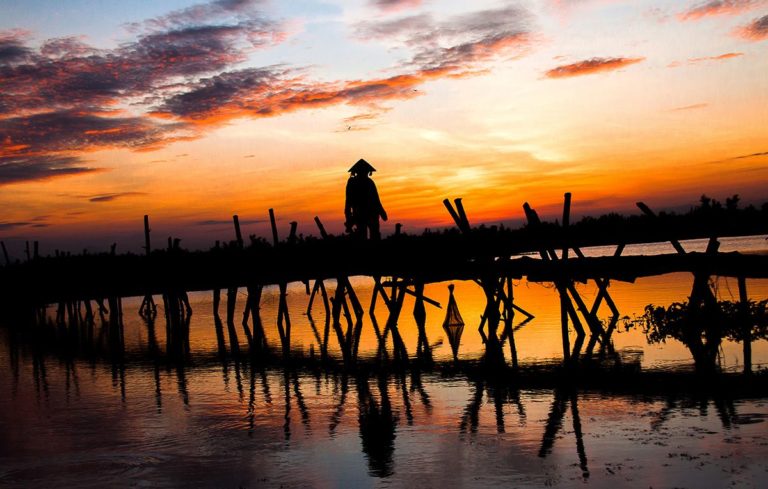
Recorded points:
(746, 325)
(148, 307)
(452, 212)
(566, 222)
(509, 315)
(564, 323)
(274, 226)
(648, 212)
(147, 248)
(238, 234)
(464, 225)
(5, 254)
(320, 226)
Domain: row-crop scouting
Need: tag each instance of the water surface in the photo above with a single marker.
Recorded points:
(91, 416)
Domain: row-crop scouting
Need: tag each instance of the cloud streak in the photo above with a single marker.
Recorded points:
(394, 5)
(713, 8)
(12, 225)
(753, 155)
(591, 66)
(689, 107)
(41, 167)
(720, 57)
(224, 222)
(113, 197)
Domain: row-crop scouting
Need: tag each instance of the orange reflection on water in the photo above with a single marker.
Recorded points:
(537, 340)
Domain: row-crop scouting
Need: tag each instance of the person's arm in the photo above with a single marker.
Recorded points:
(381, 211)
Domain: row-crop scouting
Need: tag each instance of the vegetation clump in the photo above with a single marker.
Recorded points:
(702, 327)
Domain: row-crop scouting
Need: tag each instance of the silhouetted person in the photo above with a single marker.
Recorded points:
(363, 208)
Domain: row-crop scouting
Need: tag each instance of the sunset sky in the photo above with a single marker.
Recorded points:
(191, 112)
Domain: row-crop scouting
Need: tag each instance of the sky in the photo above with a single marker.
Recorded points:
(191, 112)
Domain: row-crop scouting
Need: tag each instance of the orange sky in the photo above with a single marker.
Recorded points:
(193, 112)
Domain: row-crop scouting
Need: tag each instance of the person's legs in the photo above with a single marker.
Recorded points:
(374, 225)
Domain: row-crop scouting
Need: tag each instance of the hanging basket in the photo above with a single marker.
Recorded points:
(453, 324)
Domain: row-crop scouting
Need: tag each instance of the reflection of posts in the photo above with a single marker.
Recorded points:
(362, 207)
(555, 423)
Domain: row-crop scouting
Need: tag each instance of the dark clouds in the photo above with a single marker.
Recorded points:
(757, 30)
(457, 42)
(67, 73)
(451, 48)
(66, 98)
(12, 49)
(74, 129)
(41, 167)
(61, 99)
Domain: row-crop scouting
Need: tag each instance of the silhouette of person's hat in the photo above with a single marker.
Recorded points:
(361, 166)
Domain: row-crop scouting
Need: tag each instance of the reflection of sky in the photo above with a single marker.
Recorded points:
(80, 433)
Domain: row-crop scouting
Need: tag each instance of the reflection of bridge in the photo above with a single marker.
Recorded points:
(377, 403)
(473, 254)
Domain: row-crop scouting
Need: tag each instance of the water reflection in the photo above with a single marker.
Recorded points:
(562, 398)
(360, 397)
(397, 421)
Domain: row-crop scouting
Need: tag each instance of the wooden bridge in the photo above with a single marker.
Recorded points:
(79, 285)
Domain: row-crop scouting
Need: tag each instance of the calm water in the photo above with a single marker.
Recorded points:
(141, 420)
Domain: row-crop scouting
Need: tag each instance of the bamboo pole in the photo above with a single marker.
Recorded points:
(274, 226)
(5, 254)
(566, 221)
(238, 234)
(746, 325)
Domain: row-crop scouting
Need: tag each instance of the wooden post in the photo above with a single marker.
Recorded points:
(566, 221)
(292, 234)
(274, 226)
(5, 254)
(146, 235)
(398, 229)
(452, 212)
(238, 234)
(321, 228)
(464, 226)
(564, 323)
(26, 250)
(746, 325)
(508, 318)
(648, 212)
